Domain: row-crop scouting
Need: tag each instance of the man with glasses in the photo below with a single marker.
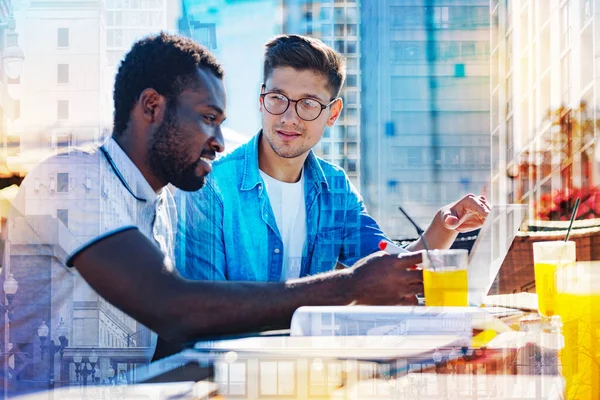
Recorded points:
(273, 203)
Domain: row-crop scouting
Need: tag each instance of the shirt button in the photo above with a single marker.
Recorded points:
(276, 251)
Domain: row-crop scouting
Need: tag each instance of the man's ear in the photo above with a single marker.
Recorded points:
(260, 98)
(334, 112)
(152, 106)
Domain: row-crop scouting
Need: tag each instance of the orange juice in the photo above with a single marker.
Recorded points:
(580, 357)
(545, 285)
(446, 286)
(547, 257)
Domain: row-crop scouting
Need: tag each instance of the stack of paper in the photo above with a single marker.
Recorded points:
(388, 320)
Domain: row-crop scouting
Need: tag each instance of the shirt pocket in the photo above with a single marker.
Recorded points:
(328, 245)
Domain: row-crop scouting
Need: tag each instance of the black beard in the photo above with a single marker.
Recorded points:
(166, 157)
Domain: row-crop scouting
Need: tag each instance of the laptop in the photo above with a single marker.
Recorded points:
(491, 247)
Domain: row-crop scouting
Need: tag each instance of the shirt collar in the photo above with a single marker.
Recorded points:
(128, 173)
(312, 169)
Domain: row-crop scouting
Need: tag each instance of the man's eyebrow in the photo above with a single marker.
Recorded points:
(217, 109)
(304, 95)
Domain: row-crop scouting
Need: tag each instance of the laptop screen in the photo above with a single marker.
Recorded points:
(490, 248)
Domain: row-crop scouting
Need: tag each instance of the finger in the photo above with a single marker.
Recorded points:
(451, 221)
(478, 206)
(409, 259)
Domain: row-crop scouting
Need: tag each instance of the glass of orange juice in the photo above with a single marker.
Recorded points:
(578, 305)
(547, 256)
(445, 278)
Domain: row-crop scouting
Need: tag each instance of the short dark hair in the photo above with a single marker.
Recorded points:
(305, 53)
(164, 62)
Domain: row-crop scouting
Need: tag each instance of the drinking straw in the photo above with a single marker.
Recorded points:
(572, 218)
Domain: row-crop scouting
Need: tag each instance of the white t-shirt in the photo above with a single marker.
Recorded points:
(65, 204)
(288, 204)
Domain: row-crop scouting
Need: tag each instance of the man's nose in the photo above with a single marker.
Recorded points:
(291, 115)
(218, 142)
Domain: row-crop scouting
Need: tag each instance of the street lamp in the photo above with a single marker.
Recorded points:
(51, 347)
(12, 54)
(81, 366)
(10, 287)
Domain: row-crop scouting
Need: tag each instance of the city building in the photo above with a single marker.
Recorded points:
(64, 99)
(129, 20)
(11, 64)
(425, 90)
(64, 93)
(544, 102)
(235, 31)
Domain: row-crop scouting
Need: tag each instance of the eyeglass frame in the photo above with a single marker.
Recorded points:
(323, 106)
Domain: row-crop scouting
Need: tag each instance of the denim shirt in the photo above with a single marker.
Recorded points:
(227, 230)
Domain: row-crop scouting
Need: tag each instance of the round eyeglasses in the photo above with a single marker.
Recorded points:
(306, 108)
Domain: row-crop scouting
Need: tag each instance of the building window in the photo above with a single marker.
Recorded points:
(509, 52)
(62, 182)
(352, 115)
(62, 144)
(339, 46)
(352, 64)
(325, 149)
(325, 13)
(351, 47)
(587, 11)
(566, 79)
(351, 166)
(62, 37)
(415, 157)
(352, 132)
(325, 378)
(277, 378)
(565, 21)
(205, 34)
(352, 149)
(114, 37)
(407, 51)
(351, 98)
(351, 81)
(62, 74)
(352, 14)
(231, 378)
(63, 215)
(339, 30)
(407, 16)
(352, 29)
(62, 109)
(440, 17)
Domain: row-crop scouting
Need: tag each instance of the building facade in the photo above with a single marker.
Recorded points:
(65, 99)
(425, 107)
(544, 99)
(10, 142)
(235, 31)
